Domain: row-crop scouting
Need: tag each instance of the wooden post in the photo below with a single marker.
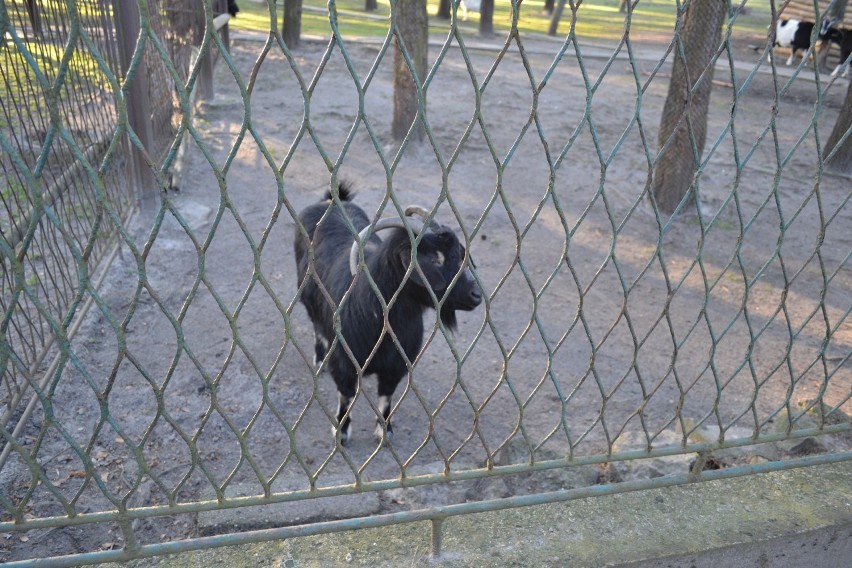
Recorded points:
(204, 81)
(138, 103)
(35, 17)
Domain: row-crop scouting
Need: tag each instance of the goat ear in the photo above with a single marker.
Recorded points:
(431, 270)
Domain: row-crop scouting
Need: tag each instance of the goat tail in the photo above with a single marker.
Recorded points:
(344, 190)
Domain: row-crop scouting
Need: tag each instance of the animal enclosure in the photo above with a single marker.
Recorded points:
(614, 345)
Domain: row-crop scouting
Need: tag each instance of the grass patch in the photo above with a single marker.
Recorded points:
(595, 20)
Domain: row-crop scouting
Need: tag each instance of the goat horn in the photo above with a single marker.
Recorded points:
(421, 212)
(415, 224)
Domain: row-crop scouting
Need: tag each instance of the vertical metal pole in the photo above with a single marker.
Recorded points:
(139, 114)
(436, 537)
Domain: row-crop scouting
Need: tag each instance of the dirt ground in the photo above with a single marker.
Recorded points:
(588, 300)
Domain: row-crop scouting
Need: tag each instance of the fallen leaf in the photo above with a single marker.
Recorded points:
(79, 473)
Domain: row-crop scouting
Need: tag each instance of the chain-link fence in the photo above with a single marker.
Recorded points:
(51, 215)
(159, 369)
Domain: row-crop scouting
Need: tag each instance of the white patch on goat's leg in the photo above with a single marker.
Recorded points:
(343, 420)
(384, 415)
(790, 59)
(320, 349)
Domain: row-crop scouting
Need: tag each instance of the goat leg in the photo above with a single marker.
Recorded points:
(344, 423)
(320, 347)
(383, 425)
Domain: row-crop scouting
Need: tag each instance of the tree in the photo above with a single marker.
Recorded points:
(444, 9)
(412, 25)
(841, 160)
(555, 17)
(370, 5)
(684, 120)
(548, 6)
(291, 29)
(486, 17)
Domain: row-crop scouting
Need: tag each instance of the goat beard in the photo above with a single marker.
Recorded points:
(448, 317)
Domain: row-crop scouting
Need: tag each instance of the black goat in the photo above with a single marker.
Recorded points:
(829, 32)
(364, 328)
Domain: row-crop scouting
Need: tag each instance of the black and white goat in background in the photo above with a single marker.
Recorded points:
(794, 34)
(364, 327)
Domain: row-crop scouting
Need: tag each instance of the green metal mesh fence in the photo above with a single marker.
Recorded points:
(158, 370)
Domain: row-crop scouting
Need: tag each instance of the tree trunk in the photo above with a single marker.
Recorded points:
(622, 5)
(445, 9)
(838, 9)
(486, 18)
(841, 161)
(370, 5)
(684, 120)
(548, 6)
(291, 30)
(554, 20)
(413, 27)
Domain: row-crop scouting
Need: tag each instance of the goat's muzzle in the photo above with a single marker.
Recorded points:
(465, 294)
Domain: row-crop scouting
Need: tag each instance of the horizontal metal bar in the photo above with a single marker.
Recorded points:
(425, 514)
(383, 485)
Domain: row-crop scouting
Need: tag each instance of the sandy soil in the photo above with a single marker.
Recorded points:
(588, 300)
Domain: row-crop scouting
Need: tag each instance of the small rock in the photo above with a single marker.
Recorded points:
(489, 488)
(808, 447)
(651, 467)
(800, 421)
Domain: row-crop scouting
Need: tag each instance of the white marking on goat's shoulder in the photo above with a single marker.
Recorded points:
(785, 31)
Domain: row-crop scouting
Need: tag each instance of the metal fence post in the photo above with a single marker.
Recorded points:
(138, 104)
(437, 537)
